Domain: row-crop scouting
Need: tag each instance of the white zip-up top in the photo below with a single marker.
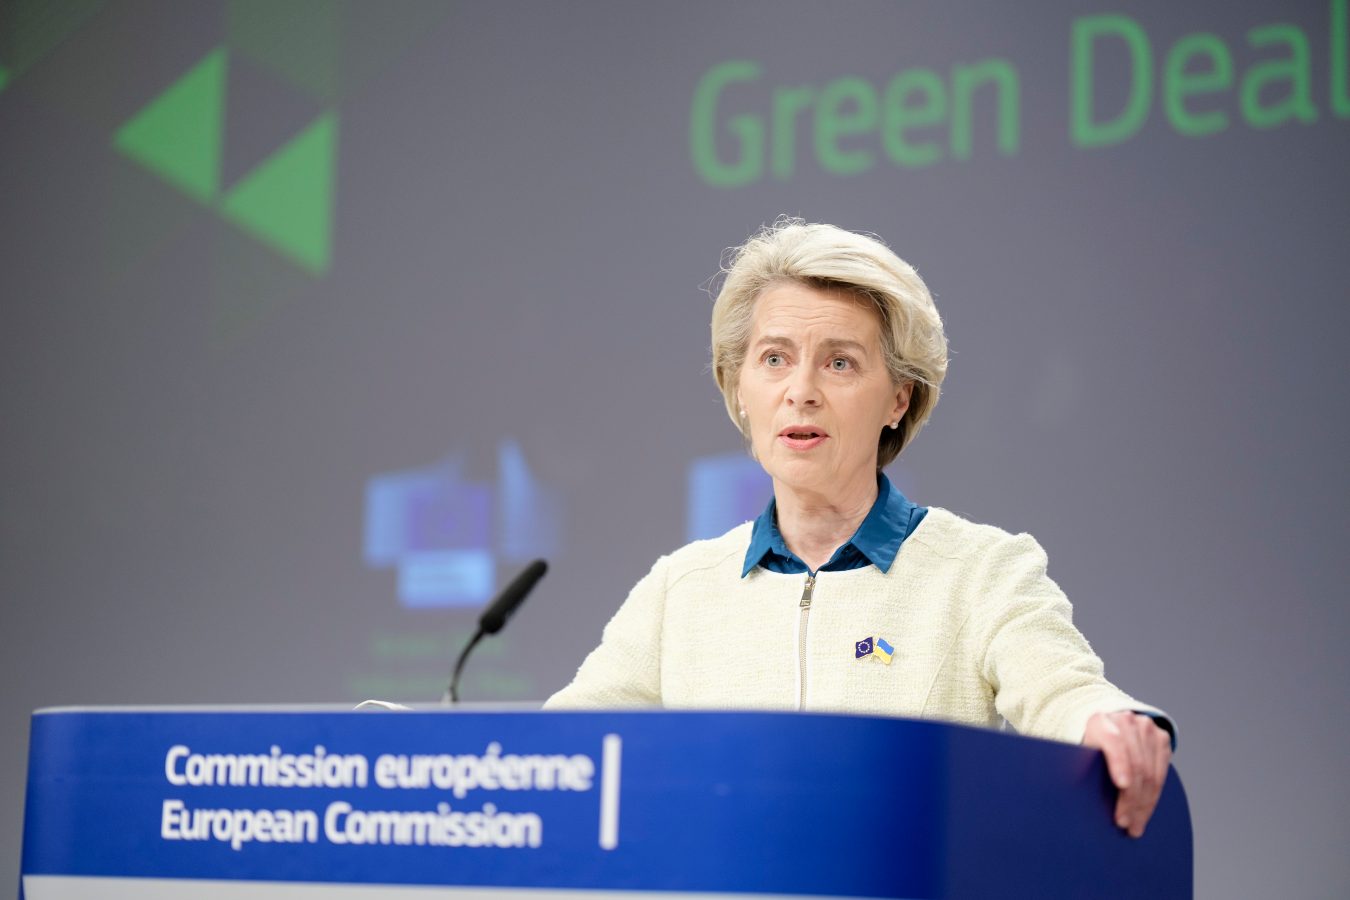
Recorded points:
(980, 633)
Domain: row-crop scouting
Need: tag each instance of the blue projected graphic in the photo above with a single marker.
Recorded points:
(529, 516)
(445, 535)
(724, 491)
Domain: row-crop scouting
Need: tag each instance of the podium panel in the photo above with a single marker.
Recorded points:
(298, 804)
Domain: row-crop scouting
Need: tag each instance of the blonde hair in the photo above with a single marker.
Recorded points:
(830, 258)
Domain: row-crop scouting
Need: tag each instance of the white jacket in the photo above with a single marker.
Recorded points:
(979, 632)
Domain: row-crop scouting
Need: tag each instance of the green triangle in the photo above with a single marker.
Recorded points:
(178, 134)
(287, 200)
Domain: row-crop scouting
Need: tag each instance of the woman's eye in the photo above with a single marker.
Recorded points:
(773, 359)
(840, 364)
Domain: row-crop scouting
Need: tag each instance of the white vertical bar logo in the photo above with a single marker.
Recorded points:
(609, 791)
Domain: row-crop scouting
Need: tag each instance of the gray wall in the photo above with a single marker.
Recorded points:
(1148, 369)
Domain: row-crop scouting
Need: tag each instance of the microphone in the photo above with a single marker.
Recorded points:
(494, 617)
(509, 600)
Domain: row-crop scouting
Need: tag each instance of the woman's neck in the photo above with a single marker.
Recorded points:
(814, 525)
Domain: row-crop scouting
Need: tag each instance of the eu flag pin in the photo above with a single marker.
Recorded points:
(862, 648)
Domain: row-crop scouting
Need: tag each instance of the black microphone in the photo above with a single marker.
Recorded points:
(494, 617)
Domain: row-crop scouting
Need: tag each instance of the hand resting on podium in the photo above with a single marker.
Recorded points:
(1138, 753)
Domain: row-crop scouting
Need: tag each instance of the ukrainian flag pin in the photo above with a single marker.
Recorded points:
(883, 650)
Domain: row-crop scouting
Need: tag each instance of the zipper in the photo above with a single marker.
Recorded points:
(805, 607)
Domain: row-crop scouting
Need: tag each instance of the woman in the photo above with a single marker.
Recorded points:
(843, 595)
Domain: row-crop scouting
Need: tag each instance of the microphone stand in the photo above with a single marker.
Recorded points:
(494, 618)
(452, 692)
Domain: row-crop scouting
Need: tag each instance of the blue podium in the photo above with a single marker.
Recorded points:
(304, 803)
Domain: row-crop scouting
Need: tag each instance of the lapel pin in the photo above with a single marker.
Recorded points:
(884, 651)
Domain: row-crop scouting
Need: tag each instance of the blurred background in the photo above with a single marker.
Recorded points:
(319, 320)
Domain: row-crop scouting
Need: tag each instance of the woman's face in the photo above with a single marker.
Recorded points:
(816, 390)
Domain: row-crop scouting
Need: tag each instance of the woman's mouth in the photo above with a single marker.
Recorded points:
(802, 437)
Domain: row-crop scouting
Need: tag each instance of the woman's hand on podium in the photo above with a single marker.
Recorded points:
(1137, 753)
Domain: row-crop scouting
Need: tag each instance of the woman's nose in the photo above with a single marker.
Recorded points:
(802, 389)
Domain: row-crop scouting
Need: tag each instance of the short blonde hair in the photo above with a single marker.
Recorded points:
(828, 257)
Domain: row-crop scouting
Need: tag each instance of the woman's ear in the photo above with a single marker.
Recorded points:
(902, 395)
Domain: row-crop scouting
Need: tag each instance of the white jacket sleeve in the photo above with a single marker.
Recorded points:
(625, 670)
(1046, 679)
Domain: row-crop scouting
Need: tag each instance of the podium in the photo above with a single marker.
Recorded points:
(308, 803)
